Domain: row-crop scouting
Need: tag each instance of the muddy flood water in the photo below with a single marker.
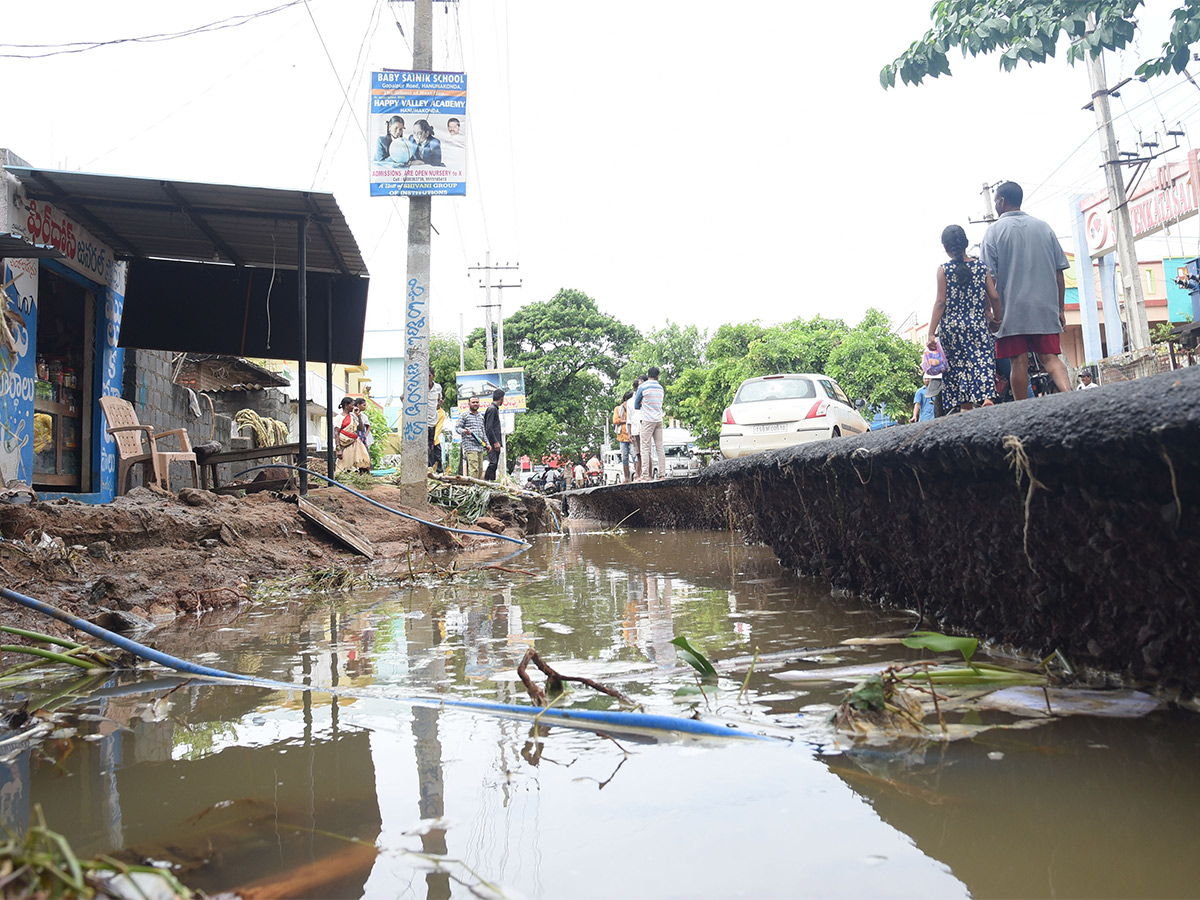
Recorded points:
(300, 794)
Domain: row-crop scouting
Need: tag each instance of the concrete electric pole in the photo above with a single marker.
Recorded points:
(414, 449)
(1118, 203)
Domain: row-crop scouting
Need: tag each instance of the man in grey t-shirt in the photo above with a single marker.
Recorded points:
(1026, 260)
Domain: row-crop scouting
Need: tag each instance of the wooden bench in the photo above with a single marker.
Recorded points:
(210, 474)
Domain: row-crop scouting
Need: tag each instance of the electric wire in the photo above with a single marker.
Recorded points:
(344, 106)
(85, 46)
(333, 66)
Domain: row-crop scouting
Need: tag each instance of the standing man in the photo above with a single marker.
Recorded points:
(1027, 263)
(649, 399)
(432, 420)
(470, 426)
(923, 408)
(1085, 380)
(493, 433)
(620, 418)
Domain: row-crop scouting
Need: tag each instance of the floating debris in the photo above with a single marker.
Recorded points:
(1030, 701)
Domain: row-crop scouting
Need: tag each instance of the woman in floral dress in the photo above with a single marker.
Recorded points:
(967, 301)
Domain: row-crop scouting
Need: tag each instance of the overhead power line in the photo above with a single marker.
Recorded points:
(40, 51)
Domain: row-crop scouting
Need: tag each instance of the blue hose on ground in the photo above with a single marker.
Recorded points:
(572, 718)
(405, 515)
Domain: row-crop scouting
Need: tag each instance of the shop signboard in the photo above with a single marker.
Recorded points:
(417, 133)
(41, 222)
(1163, 198)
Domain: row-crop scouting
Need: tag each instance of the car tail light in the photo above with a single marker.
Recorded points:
(818, 409)
(727, 418)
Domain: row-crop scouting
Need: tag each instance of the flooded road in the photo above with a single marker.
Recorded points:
(301, 794)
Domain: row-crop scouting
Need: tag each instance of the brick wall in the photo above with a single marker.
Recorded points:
(165, 405)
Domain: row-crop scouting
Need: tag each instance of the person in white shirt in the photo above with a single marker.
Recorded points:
(634, 418)
(1085, 380)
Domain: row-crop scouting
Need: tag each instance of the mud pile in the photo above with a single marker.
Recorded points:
(155, 555)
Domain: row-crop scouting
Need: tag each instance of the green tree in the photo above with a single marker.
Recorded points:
(875, 364)
(1029, 30)
(701, 393)
(572, 353)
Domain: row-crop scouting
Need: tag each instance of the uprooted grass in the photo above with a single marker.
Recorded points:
(315, 579)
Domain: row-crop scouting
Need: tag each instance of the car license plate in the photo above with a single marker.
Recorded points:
(769, 429)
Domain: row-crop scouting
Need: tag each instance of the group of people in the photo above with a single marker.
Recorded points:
(998, 309)
(394, 149)
(354, 436)
(639, 421)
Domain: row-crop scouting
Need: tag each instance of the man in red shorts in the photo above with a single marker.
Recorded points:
(1026, 260)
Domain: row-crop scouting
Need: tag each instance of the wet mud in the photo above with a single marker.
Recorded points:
(1066, 523)
(151, 555)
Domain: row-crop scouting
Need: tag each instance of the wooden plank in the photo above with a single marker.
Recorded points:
(336, 528)
(208, 465)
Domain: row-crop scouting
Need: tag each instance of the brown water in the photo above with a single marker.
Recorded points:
(372, 796)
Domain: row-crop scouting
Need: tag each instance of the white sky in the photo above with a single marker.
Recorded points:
(701, 162)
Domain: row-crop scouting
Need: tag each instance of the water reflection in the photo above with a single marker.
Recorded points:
(302, 794)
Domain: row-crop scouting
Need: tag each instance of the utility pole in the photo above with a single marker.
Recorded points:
(486, 283)
(1118, 203)
(989, 211)
(414, 449)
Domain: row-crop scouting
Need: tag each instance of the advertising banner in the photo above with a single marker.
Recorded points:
(482, 383)
(417, 133)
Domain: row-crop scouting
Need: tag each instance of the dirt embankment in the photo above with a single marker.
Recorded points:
(155, 555)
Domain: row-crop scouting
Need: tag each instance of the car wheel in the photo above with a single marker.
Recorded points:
(837, 432)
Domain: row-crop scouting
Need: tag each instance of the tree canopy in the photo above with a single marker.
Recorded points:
(1029, 31)
(572, 354)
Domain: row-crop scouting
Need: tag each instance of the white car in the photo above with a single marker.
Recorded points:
(774, 411)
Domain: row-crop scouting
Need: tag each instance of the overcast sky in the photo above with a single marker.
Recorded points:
(695, 161)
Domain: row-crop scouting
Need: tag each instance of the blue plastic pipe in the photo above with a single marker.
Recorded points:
(573, 718)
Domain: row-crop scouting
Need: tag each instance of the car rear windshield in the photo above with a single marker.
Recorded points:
(775, 389)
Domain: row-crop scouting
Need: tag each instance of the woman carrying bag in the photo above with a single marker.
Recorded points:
(967, 301)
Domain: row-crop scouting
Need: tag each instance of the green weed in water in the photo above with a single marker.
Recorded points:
(42, 864)
(695, 659)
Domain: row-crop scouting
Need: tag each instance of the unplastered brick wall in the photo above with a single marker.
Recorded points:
(164, 406)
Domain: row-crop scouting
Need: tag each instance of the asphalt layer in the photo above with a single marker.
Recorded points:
(1069, 522)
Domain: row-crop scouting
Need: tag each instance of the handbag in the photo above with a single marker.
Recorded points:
(933, 362)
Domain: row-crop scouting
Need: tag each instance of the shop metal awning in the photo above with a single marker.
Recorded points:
(197, 222)
(224, 269)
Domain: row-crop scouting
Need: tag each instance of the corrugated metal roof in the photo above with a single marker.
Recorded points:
(197, 222)
(13, 246)
(226, 373)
